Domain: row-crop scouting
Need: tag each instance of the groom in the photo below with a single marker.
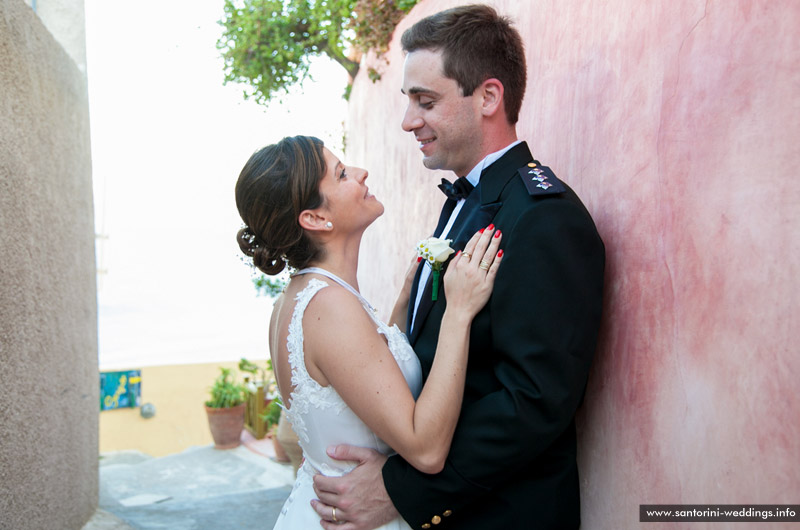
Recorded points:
(512, 464)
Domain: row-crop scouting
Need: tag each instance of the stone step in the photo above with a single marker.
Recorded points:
(199, 488)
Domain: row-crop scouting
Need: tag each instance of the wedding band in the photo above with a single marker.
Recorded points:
(466, 255)
(484, 266)
(333, 510)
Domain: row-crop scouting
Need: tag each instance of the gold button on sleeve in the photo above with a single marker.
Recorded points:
(447, 513)
(436, 519)
(426, 525)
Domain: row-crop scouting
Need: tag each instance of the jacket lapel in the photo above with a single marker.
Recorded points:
(478, 211)
(493, 179)
(426, 303)
(444, 216)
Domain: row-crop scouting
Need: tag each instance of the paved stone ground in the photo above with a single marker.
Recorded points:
(198, 489)
(103, 520)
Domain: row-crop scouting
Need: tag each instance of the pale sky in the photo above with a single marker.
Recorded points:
(168, 142)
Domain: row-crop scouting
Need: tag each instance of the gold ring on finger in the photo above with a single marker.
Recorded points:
(333, 510)
(484, 266)
(466, 255)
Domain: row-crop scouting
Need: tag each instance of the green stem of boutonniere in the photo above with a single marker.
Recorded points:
(435, 252)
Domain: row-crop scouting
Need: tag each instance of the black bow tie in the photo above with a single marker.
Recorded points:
(459, 189)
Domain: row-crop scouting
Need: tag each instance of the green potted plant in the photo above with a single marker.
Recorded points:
(225, 410)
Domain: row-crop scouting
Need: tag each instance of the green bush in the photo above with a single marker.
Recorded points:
(226, 392)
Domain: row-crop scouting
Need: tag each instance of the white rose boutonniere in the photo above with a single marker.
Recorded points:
(435, 252)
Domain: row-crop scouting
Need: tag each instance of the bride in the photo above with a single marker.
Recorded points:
(344, 375)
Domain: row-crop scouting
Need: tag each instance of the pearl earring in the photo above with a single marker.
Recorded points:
(329, 225)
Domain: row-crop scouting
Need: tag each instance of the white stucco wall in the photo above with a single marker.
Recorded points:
(48, 310)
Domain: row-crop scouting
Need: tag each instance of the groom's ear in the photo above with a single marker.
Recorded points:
(312, 220)
(491, 92)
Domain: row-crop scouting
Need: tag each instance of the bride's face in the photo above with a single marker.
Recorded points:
(348, 201)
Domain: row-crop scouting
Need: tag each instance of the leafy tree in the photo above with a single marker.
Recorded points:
(267, 43)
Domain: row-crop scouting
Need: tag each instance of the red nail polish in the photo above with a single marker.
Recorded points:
(482, 229)
(457, 253)
(500, 253)
(490, 227)
(497, 234)
(419, 259)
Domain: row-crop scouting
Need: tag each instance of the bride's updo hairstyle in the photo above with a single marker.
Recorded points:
(275, 185)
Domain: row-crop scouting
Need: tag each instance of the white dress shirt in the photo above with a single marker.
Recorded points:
(473, 177)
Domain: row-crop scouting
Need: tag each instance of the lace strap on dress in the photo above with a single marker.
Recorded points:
(294, 342)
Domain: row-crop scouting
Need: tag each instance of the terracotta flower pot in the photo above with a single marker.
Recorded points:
(226, 426)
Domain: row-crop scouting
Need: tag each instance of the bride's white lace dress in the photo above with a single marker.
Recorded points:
(321, 418)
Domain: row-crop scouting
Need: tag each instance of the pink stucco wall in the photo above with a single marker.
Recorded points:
(677, 122)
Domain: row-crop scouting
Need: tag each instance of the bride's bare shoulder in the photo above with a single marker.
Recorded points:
(333, 304)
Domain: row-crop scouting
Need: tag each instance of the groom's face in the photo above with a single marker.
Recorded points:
(445, 124)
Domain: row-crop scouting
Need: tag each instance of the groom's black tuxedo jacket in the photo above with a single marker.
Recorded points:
(512, 464)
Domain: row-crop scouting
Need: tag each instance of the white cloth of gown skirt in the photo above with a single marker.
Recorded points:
(321, 418)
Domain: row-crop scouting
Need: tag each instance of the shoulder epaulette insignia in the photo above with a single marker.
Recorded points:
(540, 180)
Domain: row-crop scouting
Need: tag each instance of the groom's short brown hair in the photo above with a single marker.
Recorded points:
(476, 44)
